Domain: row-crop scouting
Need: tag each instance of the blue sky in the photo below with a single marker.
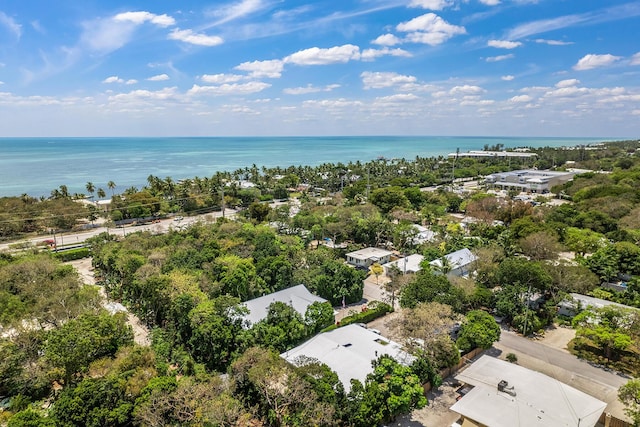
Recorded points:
(328, 67)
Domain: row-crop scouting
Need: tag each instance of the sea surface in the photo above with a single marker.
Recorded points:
(35, 166)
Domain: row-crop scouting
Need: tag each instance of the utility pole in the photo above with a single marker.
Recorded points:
(526, 311)
(222, 199)
(453, 170)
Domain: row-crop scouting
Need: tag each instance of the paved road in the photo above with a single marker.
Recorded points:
(559, 359)
(163, 226)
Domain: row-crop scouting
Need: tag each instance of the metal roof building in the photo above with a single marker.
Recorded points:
(297, 297)
(348, 351)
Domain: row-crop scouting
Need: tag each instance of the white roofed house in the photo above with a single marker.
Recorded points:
(298, 297)
(458, 263)
(408, 264)
(348, 351)
(504, 394)
(364, 258)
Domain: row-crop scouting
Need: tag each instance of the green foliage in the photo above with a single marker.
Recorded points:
(478, 330)
(387, 199)
(80, 341)
(511, 357)
(282, 329)
(608, 328)
(374, 310)
(72, 254)
(430, 287)
(392, 389)
(30, 418)
(318, 316)
(629, 394)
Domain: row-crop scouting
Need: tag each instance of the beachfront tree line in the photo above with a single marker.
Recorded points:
(356, 180)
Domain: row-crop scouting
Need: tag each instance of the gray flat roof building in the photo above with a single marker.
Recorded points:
(507, 395)
(537, 181)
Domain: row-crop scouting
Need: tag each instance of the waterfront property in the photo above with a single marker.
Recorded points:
(348, 351)
(297, 297)
(479, 154)
(502, 394)
(364, 258)
(530, 180)
(572, 306)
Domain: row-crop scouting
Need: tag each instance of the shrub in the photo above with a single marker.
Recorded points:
(73, 254)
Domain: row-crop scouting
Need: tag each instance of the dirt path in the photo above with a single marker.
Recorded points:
(85, 269)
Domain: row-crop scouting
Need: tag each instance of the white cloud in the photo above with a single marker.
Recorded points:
(221, 78)
(490, 2)
(309, 89)
(1, 82)
(259, 69)
(318, 56)
(113, 79)
(635, 59)
(568, 83)
(11, 25)
(466, 90)
(141, 17)
(399, 97)
(238, 10)
(507, 78)
(188, 36)
(229, 89)
(387, 40)
(131, 82)
(566, 92)
(429, 29)
(378, 80)
(553, 42)
(591, 61)
(158, 78)
(431, 4)
(499, 57)
(503, 44)
(521, 98)
(371, 54)
(145, 95)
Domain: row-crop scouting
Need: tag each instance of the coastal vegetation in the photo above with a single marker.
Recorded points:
(65, 360)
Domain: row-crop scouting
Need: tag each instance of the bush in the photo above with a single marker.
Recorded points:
(374, 310)
(72, 254)
(512, 358)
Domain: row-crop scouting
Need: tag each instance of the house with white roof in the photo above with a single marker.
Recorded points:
(571, 307)
(408, 264)
(423, 235)
(367, 256)
(297, 297)
(460, 263)
(506, 395)
(348, 351)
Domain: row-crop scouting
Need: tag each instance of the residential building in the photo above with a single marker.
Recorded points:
(408, 264)
(423, 235)
(367, 256)
(494, 154)
(506, 394)
(530, 180)
(571, 307)
(458, 263)
(348, 351)
(297, 297)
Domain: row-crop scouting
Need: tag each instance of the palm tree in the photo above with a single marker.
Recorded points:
(90, 188)
(101, 193)
(112, 186)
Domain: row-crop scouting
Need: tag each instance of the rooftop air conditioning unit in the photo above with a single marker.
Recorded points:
(504, 387)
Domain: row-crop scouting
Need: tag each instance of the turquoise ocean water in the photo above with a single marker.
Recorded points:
(36, 166)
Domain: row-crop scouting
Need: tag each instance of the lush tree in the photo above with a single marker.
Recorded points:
(526, 273)
(259, 211)
(30, 418)
(629, 395)
(376, 269)
(281, 330)
(80, 341)
(386, 199)
(479, 329)
(583, 241)
(608, 328)
(318, 316)
(429, 287)
(540, 245)
(390, 390)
